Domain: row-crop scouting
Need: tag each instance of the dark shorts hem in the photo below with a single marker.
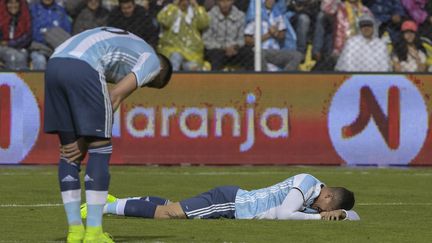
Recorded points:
(216, 203)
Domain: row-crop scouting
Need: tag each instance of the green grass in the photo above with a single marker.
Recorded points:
(395, 205)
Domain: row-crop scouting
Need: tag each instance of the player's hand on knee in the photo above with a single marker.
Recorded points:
(73, 152)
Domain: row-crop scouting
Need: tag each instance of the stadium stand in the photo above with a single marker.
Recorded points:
(316, 29)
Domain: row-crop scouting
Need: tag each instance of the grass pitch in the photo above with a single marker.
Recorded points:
(395, 205)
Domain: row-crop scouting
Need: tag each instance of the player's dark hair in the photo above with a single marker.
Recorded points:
(165, 75)
(344, 198)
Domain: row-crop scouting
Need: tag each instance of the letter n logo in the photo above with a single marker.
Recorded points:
(378, 120)
(388, 126)
(5, 116)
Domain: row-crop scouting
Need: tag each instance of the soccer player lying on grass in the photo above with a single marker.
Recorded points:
(301, 197)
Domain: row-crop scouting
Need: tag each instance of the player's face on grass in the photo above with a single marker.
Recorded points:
(323, 203)
(127, 8)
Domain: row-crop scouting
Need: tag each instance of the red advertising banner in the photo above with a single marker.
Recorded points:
(242, 119)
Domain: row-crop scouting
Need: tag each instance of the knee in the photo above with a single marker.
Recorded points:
(39, 60)
(304, 20)
(320, 17)
(21, 58)
(15, 58)
(176, 60)
(298, 56)
(191, 66)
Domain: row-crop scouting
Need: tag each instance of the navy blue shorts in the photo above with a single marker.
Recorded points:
(76, 99)
(216, 203)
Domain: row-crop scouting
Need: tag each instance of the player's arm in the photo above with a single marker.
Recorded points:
(122, 90)
(291, 205)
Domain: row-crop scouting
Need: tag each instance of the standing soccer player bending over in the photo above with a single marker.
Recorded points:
(79, 108)
(301, 197)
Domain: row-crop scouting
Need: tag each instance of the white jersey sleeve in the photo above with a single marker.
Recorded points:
(146, 68)
(291, 206)
(309, 186)
(294, 202)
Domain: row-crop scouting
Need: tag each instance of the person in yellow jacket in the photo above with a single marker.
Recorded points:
(182, 23)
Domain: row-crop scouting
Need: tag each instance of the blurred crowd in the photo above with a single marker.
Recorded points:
(199, 35)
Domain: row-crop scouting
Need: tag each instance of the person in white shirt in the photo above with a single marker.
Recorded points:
(300, 197)
(364, 52)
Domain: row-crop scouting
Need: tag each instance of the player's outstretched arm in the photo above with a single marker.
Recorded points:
(122, 90)
(290, 207)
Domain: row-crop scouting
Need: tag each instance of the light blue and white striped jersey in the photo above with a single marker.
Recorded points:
(114, 53)
(262, 203)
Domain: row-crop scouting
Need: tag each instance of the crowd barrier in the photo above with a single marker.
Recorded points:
(223, 119)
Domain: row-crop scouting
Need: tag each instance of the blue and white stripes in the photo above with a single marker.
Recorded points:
(215, 208)
(114, 53)
(262, 203)
(101, 150)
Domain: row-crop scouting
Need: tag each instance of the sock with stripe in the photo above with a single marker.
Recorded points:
(70, 187)
(96, 182)
(133, 207)
(156, 200)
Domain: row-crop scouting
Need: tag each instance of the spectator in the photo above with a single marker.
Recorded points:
(137, 19)
(289, 41)
(303, 19)
(389, 15)
(347, 15)
(46, 16)
(15, 33)
(74, 7)
(425, 32)
(182, 23)
(364, 52)
(92, 16)
(273, 32)
(408, 52)
(242, 5)
(112, 4)
(224, 39)
(426, 28)
(416, 9)
(323, 36)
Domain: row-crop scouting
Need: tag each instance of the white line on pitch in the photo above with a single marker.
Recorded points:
(43, 205)
(358, 204)
(394, 204)
(218, 173)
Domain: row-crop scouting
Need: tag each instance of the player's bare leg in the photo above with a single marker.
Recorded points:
(170, 211)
